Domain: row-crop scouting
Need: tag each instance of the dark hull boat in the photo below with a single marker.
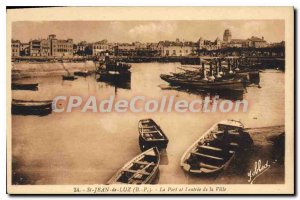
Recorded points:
(143, 169)
(82, 73)
(69, 77)
(30, 107)
(219, 85)
(151, 135)
(117, 66)
(215, 150)
(121, 80)
(252, 76)
(24, 86)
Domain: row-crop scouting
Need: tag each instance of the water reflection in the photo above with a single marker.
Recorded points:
(87, 141)
(230, 95)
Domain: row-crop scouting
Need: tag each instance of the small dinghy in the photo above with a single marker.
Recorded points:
(82, 73)
(214, 151)
(143, 169)
(31, 107)
(69, 77)
(151, 135)
(24, 86)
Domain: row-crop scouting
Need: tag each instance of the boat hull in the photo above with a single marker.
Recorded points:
(214, 151)
(121, 67)
(121, 80)
(20, 86)
(235, 85)
(41, 108)
(82, 73)
(143, 169)
(69, 78)
(146, 143)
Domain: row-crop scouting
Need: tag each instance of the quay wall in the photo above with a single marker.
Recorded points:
(36, 69)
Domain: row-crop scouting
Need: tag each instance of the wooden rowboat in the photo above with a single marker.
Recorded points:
(151, 135)
(143, 169)
(82, 73)
(214, 151)
(31, 107)
(69, 77)
(24, 86)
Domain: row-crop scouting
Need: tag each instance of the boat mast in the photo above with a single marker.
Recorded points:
(229, 66)
(204, 72)
(211, 77)
(218, 69)
(236, 65)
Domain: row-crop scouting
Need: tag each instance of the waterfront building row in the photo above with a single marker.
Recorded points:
(67, 48)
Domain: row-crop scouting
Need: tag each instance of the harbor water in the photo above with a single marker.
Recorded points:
(88, 148)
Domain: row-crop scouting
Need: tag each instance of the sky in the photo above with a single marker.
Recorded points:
(148, 31)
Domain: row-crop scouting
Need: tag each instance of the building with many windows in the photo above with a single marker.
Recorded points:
(60, 47)
(254, 42)
(15, 48)
(209, 45)
(100, 48)
(176, 48)
(51, 47)
(257, 42)
(24, 49)
(35, 47)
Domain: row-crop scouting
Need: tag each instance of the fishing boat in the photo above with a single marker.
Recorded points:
(235, 84)
(31, 107)
(143, 169)
(112, 65)
(69, 77)
(24, 86)
(250, 76)
(215, 150)
(117, 66)
(151, 135)
(115, 78)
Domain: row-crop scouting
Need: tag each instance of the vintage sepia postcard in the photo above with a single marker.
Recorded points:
(150, 100)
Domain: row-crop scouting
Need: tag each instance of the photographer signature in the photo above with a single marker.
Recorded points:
(259, 169)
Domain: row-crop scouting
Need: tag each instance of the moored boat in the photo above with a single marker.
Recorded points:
(235, 84)
(24, 86)
(121, 80)
(143, 169)
(82, 73)
(31, 107)
(151, 135)
(117, 66)
(216, 148)
(69, 77)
